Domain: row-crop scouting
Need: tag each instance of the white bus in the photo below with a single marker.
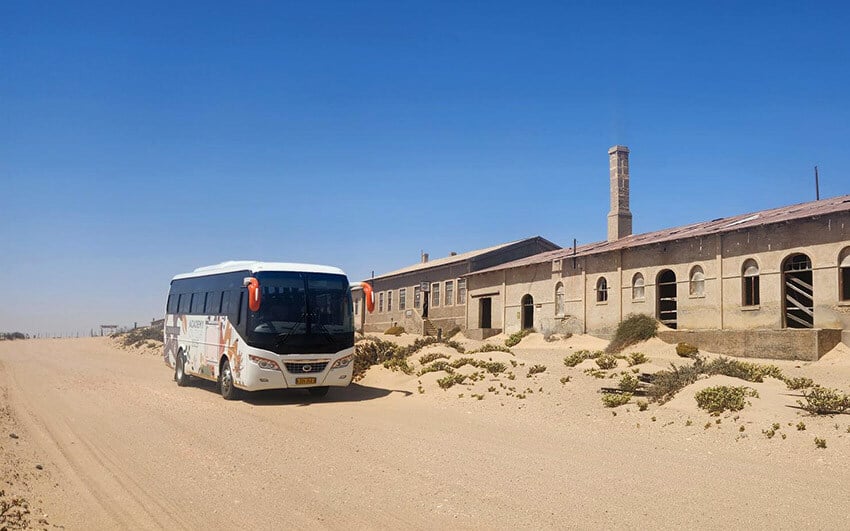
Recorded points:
(261, 325)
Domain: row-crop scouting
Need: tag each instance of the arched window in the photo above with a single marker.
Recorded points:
(601, 290)
(750, 279)
(844, 275)
(560, 306)
(638, 292)
(697, 284)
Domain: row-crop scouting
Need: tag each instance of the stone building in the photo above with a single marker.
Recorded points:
(432, 294)
(774, 283)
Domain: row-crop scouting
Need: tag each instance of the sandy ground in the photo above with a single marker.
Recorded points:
(121, 446)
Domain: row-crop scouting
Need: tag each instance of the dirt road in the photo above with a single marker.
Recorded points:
(127, 448)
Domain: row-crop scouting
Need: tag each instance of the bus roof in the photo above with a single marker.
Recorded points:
(255, 267)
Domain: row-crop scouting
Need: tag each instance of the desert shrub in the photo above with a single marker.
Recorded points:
(721, 398)
(440, 365)
(451, 333)
(801, 426)
(606, 361)
(460, 362)
(665, 384)
(820, 443)
(579, 356)
(636, 358)
(516, 337)
(455, 345)
(372, 352)
(450, 380)
(490, 347)
(823, 401)
(565, 379)
(686, 350)
(642, 405)
(615, 400)
(536, 369)
(493, 367)
(431, 356)
(11, 336)
(799, 383)
(396, 363)
(629, 383)
(138, 337)
(394, 331)
(633, 329)
(751, 372)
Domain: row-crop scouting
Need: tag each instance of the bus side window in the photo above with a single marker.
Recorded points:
(225, 303)
(168, 308)
(183, 303)
(216, 306)
(241, 308)
(209, 307)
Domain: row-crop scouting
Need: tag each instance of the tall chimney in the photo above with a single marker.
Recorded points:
(619, 218)
(424, 257)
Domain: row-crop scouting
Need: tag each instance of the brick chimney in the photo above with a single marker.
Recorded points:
(619, 218)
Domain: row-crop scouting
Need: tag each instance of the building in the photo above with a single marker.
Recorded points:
(774, 283)
(432, 294)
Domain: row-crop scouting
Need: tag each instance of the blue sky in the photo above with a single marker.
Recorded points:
(142, 141)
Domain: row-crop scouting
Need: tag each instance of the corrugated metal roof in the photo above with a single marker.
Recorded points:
(437, 262)
(706, 228)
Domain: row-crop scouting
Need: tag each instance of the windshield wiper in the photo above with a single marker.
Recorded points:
(325, 331)
(284, 336)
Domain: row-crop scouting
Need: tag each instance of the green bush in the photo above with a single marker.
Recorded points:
(636, 358)
(440, 365)
(629, 383)
(615, 400)
(431, 356)
(579, 356)
(490, 347)
(686, 350)
(823, 401)
(493, 367)
(372, 352)
(398, 364)
(633, 329)
(665, 384)
(138, 337)
(536, 369)
(606, 361)
(751, 372)
(394, 331)
(450, 380)
(820, 443)
(721, 398)
(515, 338)
(799, 383)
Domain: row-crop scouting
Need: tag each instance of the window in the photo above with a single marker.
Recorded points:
(417, 296)
(750, 274)
(638, 287)
(209, 306)
(356, 302)
(380, 302)
(402, 298)
(171, 307)
(390, 300)
(697, 284)
(844, 275)
(198, 300)
(435, 294)
(601, 290)
(450, 292)
(560, 306)
(461, 291)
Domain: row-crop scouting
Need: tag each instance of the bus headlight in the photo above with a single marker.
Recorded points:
(264, 363)
(344, 361)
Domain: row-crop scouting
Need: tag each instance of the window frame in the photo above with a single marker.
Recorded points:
(435, 295)
(449, 289)
(461, 300)
(402, 299)
(635, 287)
(560, 300)
(602, 290)
(693, 283)
(389, 300)
(750, 284)
(381, 302)
(844, 276)
(417, 297)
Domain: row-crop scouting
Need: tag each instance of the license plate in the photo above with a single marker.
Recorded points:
(304, 381)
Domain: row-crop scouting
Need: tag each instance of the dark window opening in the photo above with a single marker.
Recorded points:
(602, 290)
(799, 292)
(751, 291)
(668, 299)
(845, 283)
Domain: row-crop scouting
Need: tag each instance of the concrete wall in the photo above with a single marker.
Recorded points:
(805, 345)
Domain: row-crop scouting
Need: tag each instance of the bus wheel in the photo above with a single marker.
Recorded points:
(228, 390)
(318, 392)
(180, 370)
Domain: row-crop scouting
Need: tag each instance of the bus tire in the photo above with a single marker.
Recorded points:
(180, 375)
(225, 382)
(318, 392)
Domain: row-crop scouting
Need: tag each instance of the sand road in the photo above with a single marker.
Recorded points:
(126, 448)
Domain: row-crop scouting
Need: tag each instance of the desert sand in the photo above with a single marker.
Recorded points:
(121, 446)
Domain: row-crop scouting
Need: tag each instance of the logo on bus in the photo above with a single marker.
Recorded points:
(306, 368)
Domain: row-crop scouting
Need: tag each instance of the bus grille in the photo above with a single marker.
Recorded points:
(306, 368)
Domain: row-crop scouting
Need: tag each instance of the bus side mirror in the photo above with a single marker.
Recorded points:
(253, 286)
(368, 296)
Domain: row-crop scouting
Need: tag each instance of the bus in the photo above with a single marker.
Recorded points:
(261, 325)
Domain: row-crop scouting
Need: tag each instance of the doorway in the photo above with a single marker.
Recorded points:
(667, 310)
(799, 290)
(527, 312)
(485, 313)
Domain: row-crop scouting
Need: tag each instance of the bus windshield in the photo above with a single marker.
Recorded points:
(304, 313)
